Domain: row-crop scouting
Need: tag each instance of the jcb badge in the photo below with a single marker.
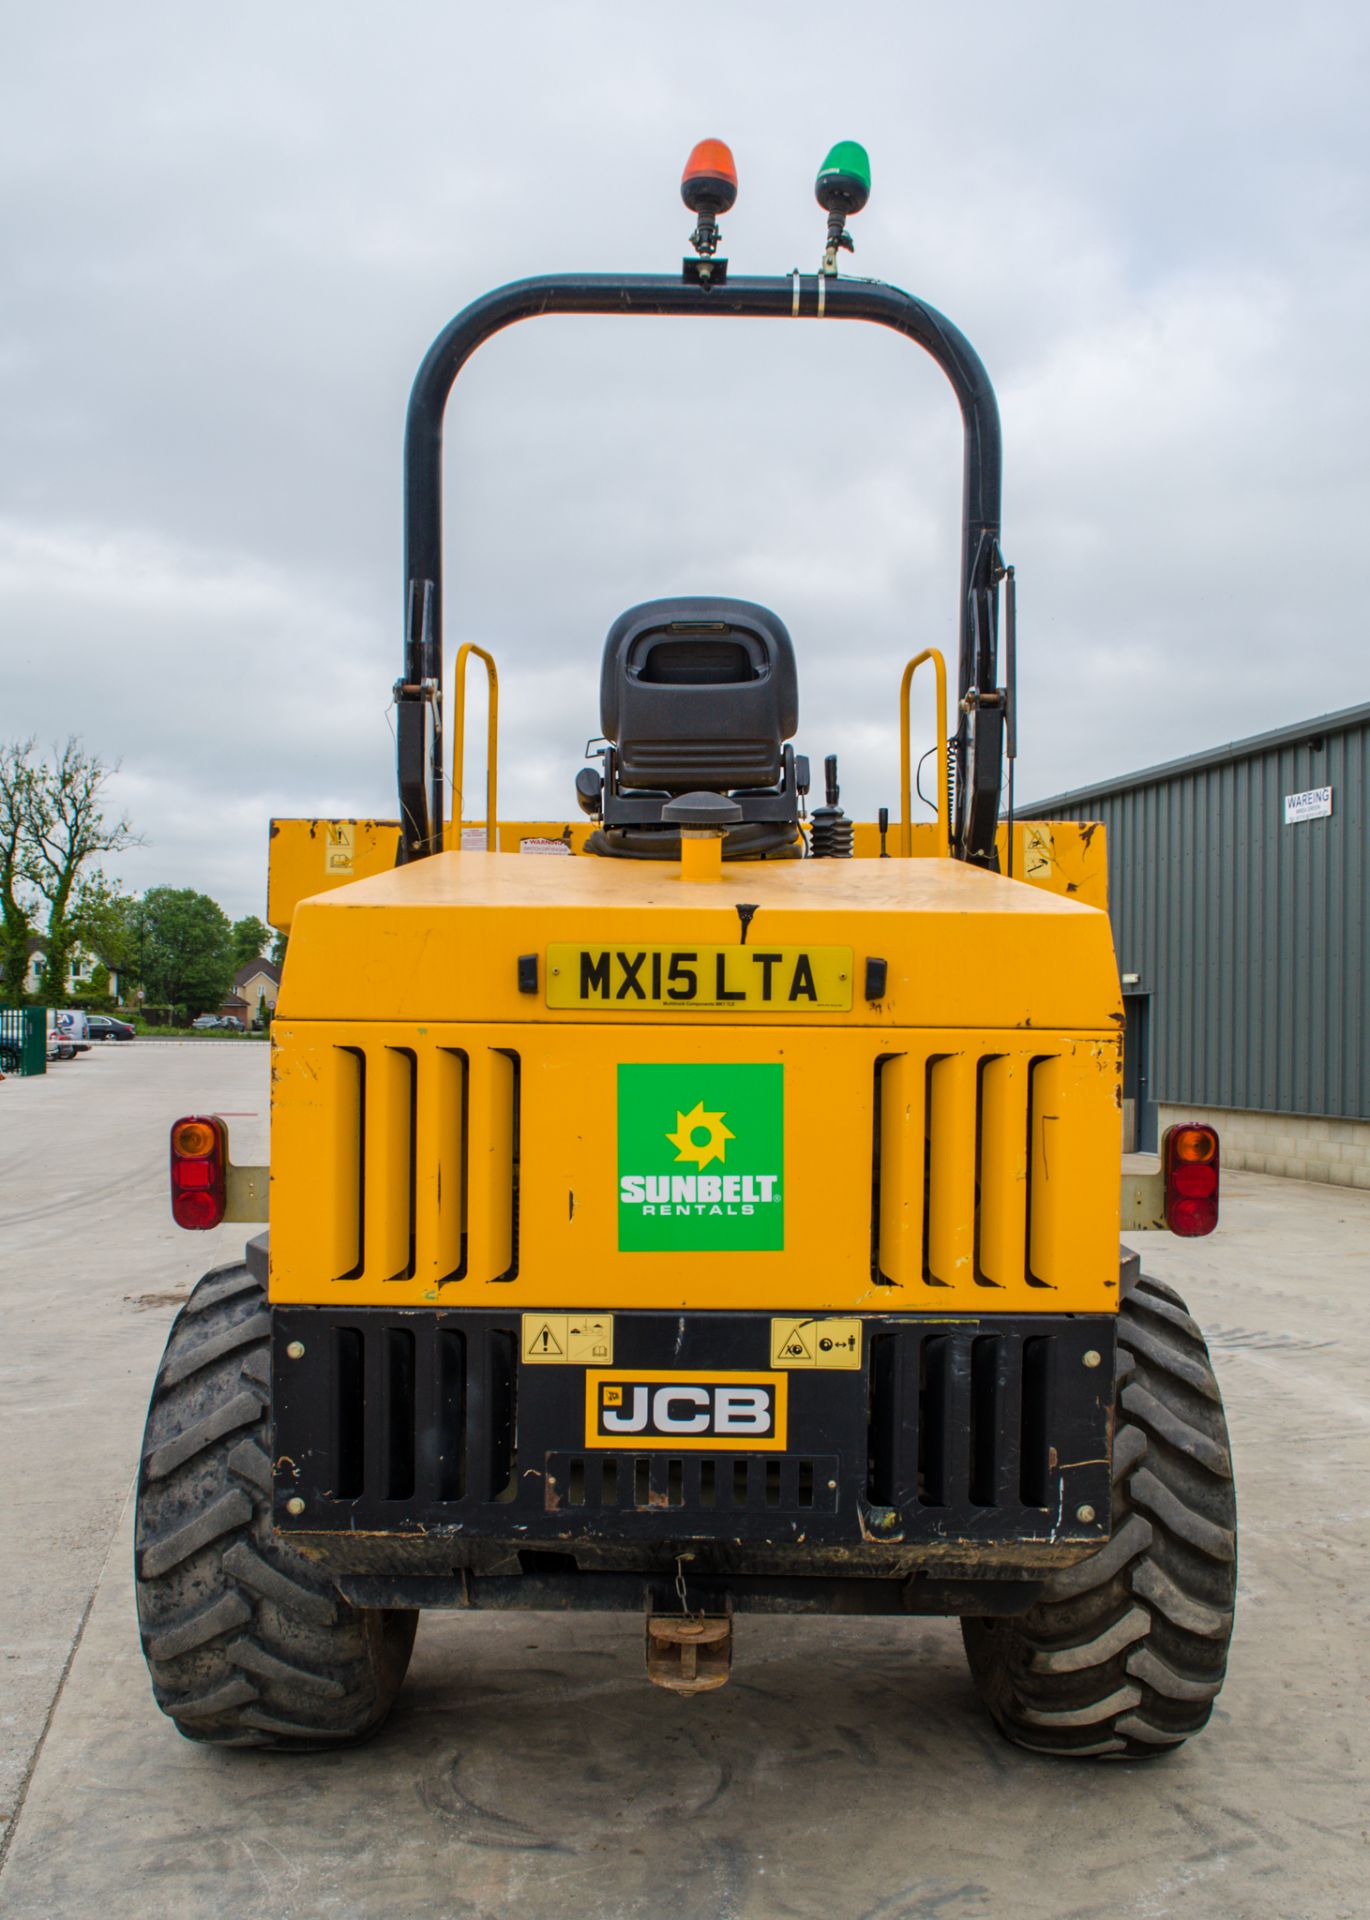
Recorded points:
(728, 1412)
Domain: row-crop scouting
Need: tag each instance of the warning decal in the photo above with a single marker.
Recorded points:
(568, 1339)
(1039, 850)
(340, 846)
(816, 1343)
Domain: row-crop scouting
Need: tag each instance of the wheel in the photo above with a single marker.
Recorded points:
(247, 1641)
(1125, 1652)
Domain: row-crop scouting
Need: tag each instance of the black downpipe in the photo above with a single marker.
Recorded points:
(798, 296)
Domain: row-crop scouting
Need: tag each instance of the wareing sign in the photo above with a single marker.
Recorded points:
(701, 1158)
(1316, 804)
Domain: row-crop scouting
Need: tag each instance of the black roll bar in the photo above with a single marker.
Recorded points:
(418, 693)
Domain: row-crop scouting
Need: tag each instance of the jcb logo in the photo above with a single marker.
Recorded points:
(728, 1411)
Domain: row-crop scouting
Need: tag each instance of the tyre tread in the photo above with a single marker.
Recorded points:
(248, 1642)
(240, 1411)
(183, 1360)
(1125, 1652)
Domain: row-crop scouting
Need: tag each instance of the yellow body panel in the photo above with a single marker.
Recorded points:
(1053, 1169)
(440, 940)
(307, 857)
(440, 1135)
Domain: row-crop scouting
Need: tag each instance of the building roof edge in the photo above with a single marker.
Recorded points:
(1342, 721)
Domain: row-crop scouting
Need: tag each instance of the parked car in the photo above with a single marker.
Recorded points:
(219, 1022)
(104, 1026)
(205, 1021)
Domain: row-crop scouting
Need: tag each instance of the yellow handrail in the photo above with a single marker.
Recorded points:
(905, 757)
(459, 744)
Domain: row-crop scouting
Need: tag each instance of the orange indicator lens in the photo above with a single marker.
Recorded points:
(1195, 1143)
(193, 1139)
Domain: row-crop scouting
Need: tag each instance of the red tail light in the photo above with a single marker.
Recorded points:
(199, 1154)
(1189, 1154)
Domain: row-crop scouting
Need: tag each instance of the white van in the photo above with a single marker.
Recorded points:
(68, 1032)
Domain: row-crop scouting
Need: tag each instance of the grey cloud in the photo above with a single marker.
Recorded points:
(229, 238)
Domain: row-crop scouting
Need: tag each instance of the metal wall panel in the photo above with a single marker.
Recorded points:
(1251, 936)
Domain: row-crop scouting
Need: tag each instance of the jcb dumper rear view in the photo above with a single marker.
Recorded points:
(706, 1206)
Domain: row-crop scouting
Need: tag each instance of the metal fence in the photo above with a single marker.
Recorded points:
(23, 1040)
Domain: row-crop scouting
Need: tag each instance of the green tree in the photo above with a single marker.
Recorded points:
(16, 896)
(52, 828)
(105, 922)
(187, 949)
(251, 938)
(94, 994)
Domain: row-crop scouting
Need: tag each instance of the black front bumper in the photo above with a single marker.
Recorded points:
(418, 1444)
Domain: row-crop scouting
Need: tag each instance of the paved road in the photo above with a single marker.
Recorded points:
(846, 1774)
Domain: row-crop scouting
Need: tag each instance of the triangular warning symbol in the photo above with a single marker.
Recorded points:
(545, 1341)
(799, 1344)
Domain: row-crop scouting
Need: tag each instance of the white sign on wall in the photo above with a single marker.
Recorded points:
(1316, 804)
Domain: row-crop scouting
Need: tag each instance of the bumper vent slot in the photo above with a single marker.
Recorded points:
(660, 1482)
(964, 1419)
(421, 1422)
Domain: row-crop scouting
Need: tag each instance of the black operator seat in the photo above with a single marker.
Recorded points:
(697, 694)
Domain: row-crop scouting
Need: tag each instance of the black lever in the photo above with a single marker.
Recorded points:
(832, 834)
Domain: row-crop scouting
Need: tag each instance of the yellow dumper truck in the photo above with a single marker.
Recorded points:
(705, 1205)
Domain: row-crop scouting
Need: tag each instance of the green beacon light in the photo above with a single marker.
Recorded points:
(842, 188)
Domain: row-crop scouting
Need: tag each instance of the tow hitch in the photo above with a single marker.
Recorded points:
(689, 1653)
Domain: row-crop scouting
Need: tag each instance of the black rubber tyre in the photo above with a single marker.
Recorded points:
(1125, 1652)
(247, 1641)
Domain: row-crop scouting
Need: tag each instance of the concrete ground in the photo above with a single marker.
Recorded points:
(848, 1772)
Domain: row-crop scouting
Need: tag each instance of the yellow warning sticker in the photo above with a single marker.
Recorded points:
(1039, 851)
(816, 1343)
(568, 1339)
(340, 846)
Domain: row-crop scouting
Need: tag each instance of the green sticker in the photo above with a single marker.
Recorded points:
(701, 1158)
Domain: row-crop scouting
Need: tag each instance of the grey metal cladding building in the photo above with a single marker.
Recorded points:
(1242, 927)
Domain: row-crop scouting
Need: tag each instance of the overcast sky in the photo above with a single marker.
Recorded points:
(227, 236)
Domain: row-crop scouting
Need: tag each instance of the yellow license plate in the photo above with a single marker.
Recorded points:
(659, 1409)
(734, 979)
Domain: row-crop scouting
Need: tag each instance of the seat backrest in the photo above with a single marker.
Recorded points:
(699, 693)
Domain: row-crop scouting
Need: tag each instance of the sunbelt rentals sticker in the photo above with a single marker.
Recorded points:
(701, 1158)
